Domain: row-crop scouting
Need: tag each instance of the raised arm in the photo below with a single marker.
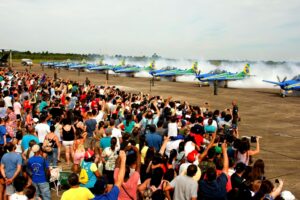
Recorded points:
(201, 156)
(276, 192)
(256, 151)
(122, 169)
(225, 158)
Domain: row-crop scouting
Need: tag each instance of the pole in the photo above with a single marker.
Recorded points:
(107, 76)
(10, 59)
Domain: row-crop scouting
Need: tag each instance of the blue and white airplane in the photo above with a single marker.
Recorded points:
(287, 86)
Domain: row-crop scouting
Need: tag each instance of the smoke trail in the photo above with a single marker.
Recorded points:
(259, 70)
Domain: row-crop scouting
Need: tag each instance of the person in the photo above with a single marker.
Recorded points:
(91, 126)
(235, 117)
(128, 124)
(91, 169)
(38, 170)
(244, 152)
(76, 192)
(11, 165)
(19, 184)
(185, 187)
(28, 137)
(153, 139)
(214, 187)
(109, 157)
(2, 132)
(30, 192)
(105, 141)
(268, 191)
(42, 129)
(101, 185)
(51, 140)
(68, 137)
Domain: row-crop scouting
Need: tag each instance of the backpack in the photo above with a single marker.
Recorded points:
(83, 176)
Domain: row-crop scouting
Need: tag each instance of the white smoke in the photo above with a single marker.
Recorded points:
(259, 70)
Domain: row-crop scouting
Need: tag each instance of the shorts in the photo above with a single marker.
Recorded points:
(109, 176)
(10, 189)
(68, 143)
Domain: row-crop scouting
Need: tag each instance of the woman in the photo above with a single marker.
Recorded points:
(268, 191)
(128, 124)
(258, 171)
(52, 141)
(150, 185)
(243, 153)
(68, 137)
(109, 157)
(91, 170)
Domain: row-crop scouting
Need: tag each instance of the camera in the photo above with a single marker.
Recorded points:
(253, 139)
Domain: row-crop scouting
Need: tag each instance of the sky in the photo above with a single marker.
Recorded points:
(195, 29)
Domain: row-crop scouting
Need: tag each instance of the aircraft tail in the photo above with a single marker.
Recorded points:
(122, 63)
(152, 65)
(246, 70)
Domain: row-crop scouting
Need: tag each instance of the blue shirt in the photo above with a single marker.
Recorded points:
(112, 195)
(105, 142)
(26, 139)
(215, 189)
(11, 161)
(43, 104)
(90, 126)
(38, 166)
(154, 140)
(128, 129)
(2, 133)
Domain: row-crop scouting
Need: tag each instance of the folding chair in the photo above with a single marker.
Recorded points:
(62, 180)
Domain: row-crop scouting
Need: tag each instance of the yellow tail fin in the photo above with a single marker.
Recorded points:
(247, 69)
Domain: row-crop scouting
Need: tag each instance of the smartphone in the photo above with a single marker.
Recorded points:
(276, 181)
(253, 139)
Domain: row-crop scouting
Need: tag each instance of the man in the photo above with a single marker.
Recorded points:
(148, 117)
(42, 128)
(100, 185)
(28, 137)
(91, 125)
(76, 192)
(185, 187)
(214, 187)
(38, 169)
(153, 139)
(235, 117)
(11, 163)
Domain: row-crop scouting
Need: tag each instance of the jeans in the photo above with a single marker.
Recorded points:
(43, 190)
(52, 157)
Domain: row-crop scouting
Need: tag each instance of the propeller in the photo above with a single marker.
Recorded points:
(284, 79)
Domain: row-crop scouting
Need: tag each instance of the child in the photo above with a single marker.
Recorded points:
(19, 184)
(78, 156)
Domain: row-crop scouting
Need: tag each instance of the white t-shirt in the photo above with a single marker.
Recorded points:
(118, 134)
(214, 123)
(42, 129)
(17, 108)
(172, 129)
(99, 117)
(16, 196)
(7, 101)
(172, 145)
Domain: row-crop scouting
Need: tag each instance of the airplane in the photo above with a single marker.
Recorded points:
(173, 73)
(219, 77)
(131, 70)
(103, 68)
(287, 86)
(4, 60)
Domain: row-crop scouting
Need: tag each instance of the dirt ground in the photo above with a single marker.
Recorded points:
(263, 113)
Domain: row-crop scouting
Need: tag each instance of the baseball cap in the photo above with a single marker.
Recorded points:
(88, 154)
(192, 156)
(35, 148)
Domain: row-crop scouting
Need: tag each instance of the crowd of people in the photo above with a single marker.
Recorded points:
(122, 145)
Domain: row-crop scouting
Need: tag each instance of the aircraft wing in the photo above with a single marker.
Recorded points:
(276, 83)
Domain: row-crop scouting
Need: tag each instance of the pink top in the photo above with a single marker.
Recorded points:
(130, 186)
